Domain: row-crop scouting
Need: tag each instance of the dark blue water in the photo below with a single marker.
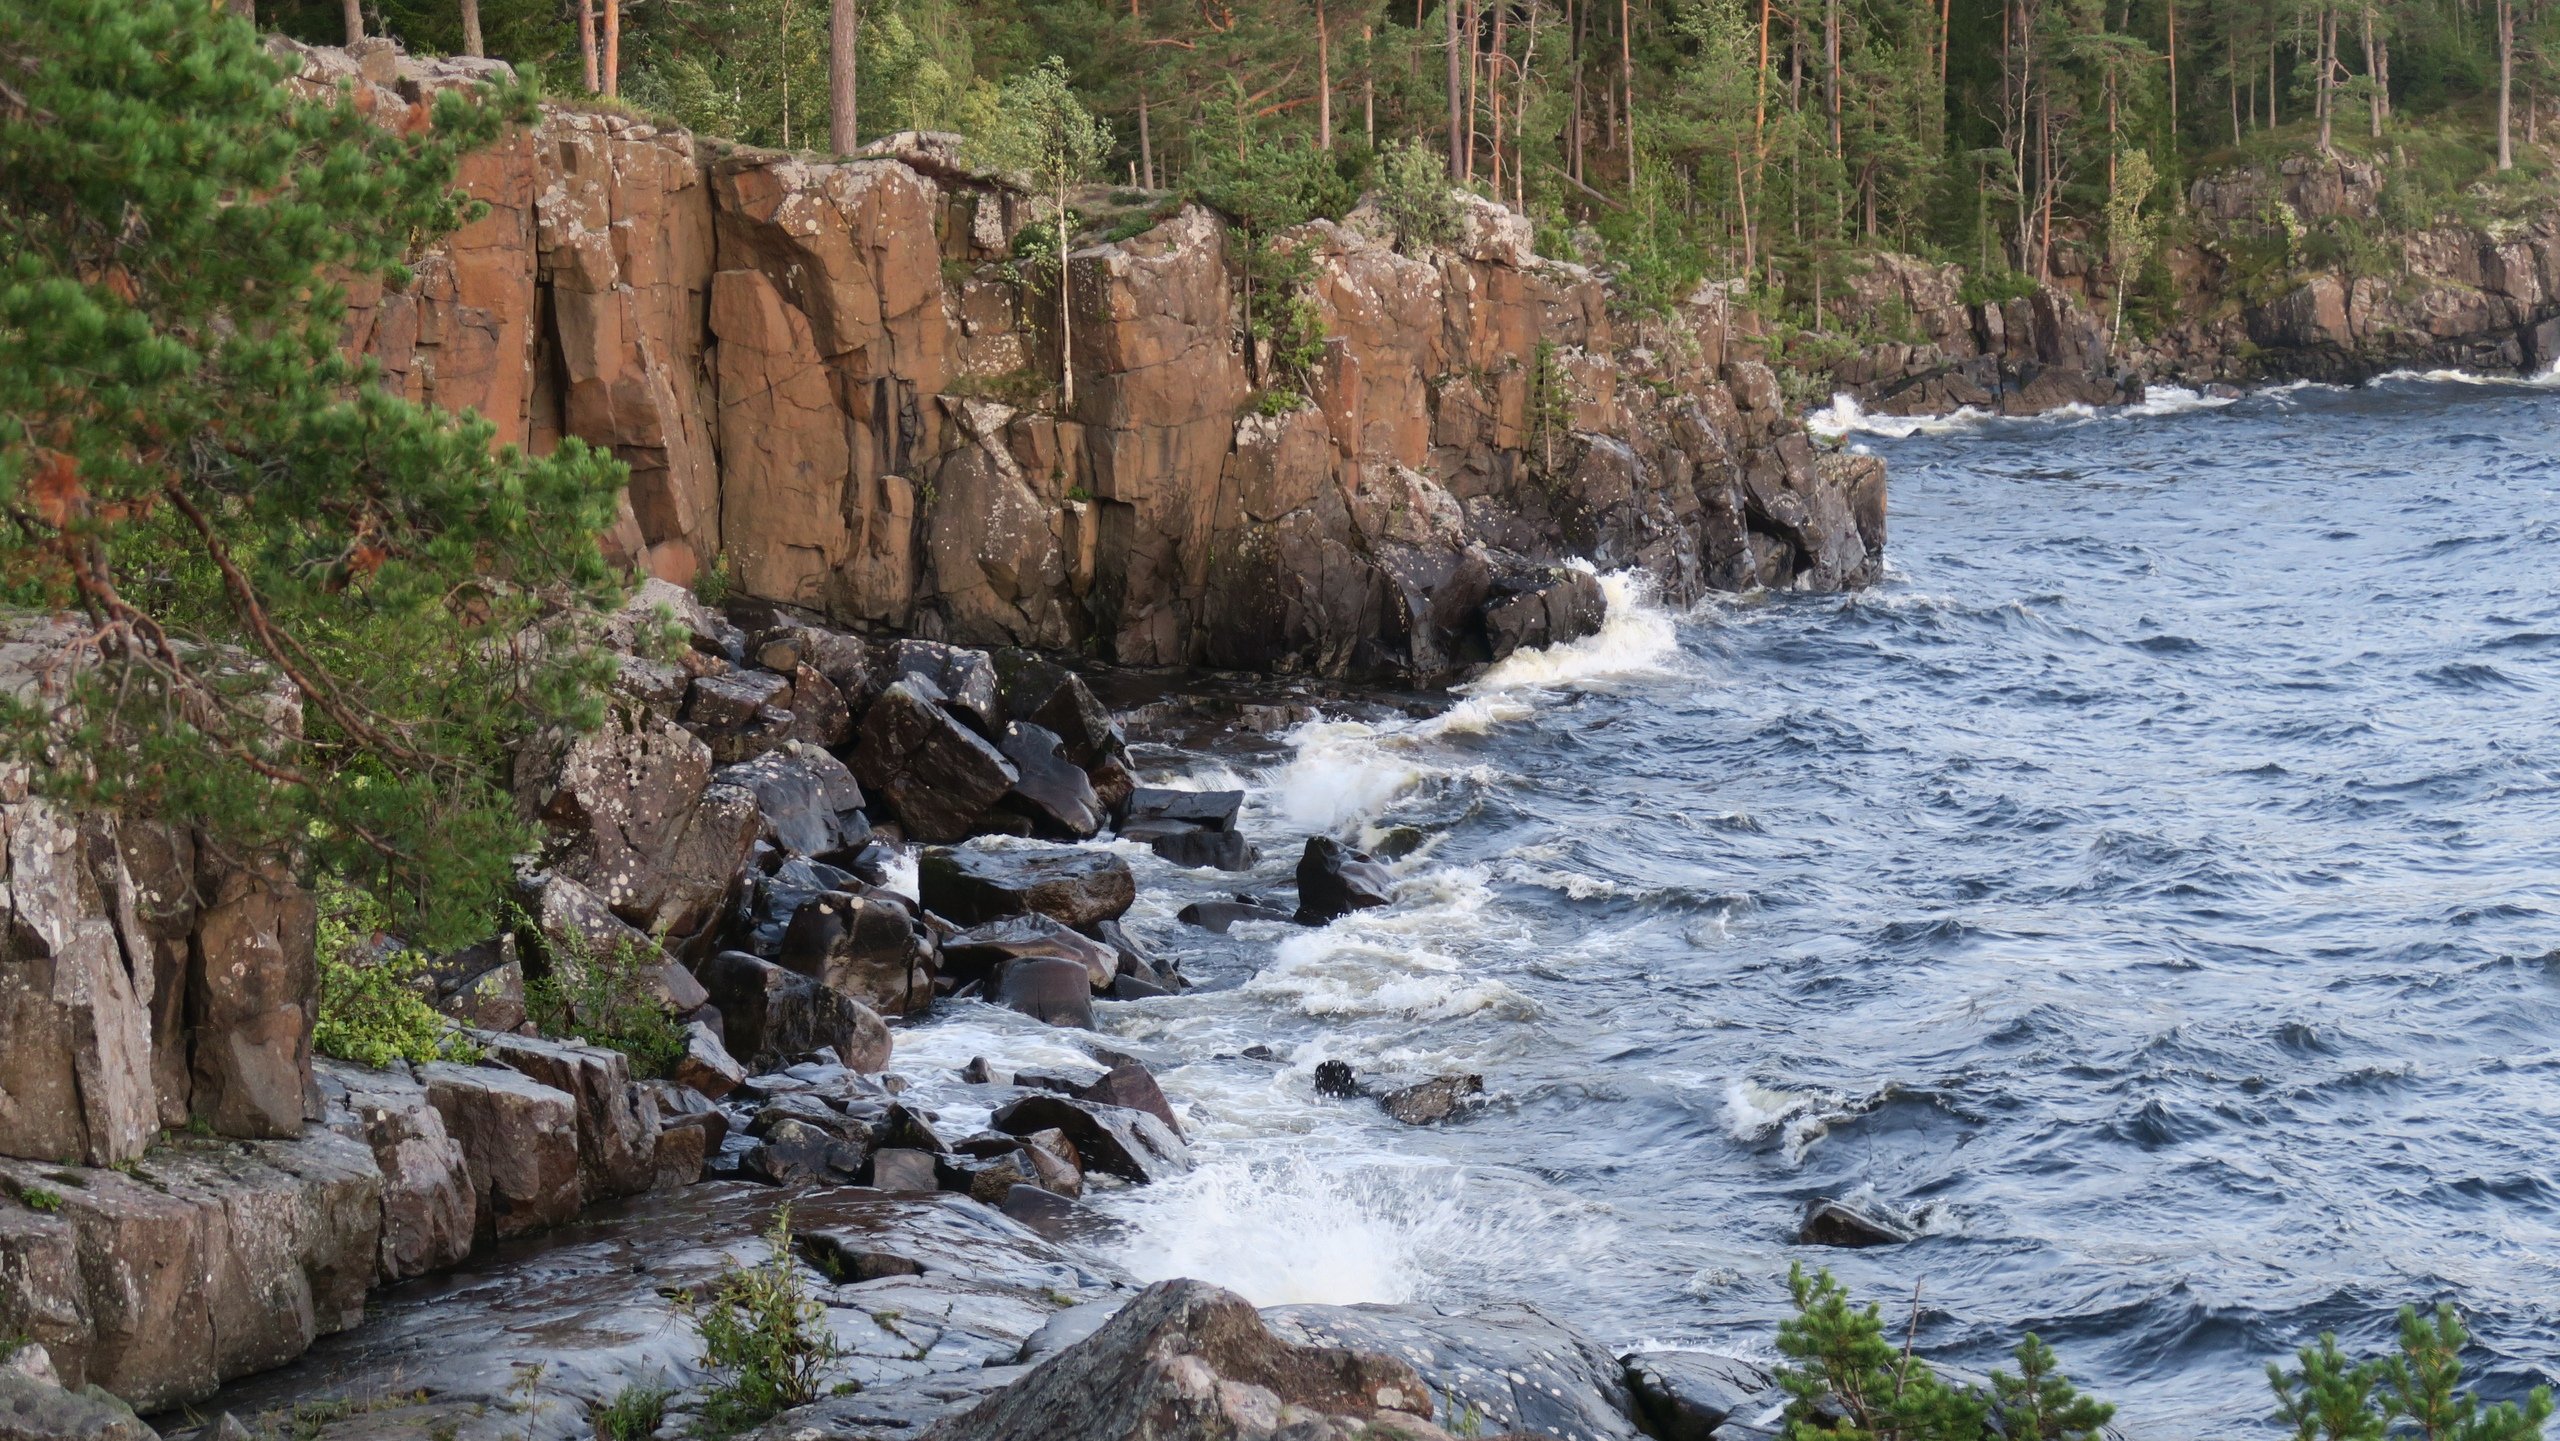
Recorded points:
(2155, 885)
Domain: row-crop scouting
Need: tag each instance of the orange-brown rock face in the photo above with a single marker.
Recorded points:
(830, 379)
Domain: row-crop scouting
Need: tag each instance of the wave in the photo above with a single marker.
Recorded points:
(1638, 638)
(1844, 416)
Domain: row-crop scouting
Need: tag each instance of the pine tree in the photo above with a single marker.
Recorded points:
(1043, 134)
(1841, 1364)
(2040, 1403)
(190, 463)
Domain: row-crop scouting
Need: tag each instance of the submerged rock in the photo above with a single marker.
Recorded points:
(1429, 1101)
(1510, 1367)
(1853, 1222)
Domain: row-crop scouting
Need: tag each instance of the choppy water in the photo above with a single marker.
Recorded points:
(2156, 883)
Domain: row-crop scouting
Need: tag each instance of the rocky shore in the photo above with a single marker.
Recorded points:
(2252, 307)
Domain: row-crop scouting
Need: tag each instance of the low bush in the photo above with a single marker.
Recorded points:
(372, 1007)
(766, 1337)
(634, 1414)
(607, 996)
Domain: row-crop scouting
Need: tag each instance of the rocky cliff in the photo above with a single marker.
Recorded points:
(830, 384)
(2289, 272)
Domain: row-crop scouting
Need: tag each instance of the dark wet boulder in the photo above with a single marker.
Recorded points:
(1510, 1366)
(847, 1260)
(481, 985)
(1131, 1086)
(981, 953)
(771, 1015)
(1542, 607)
(966, 679)
(937, 776)
(1052, 791)
(776, 895)
(1073, 887)
(810, 803)
(868, 945)
(1186, 1361)
(1335, 1079)
(1206, 850)
(1853, 1222)
(1199, 810)
(796, 1153)
(1334, 880)
(1115, 1140)
(820, 713)
(1431, 1101)
(1056, 991)
(1686, 1395)
(1044, 693)
(1218, 916)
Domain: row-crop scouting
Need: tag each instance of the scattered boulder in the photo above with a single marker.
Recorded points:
(1430, 1101)
(1190, 828)
(1335, 1079)
(1115, 1140)
(937, 775)
(1854, 1222)
(1540, 607)
(1073, 887)
(519, 1139)
(575, 927)
(632, 815)
(1206, 850)
(1132, 1086)
(1046, 694)
(981, 953)
(1059, 992)
(1218, 916)
(770, 1015)
(733, 699)
(481, 986)
(1334, 880)
(868, 945)
(706, 1065)
(894, 1169)
(35, 1409)
(777, 894)
(1050, 789)
(794, 1153)
(1186, 1361)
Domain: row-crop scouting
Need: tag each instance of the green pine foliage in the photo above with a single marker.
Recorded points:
(2040, 1403)
(241, 514)
(1849, 1383)
(2330, 1397)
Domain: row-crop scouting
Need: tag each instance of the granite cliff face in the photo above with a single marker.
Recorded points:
(827, 381)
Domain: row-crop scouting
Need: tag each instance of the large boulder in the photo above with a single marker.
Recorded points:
(810, 802)
(631, 813)
(1072, 887)
(253, 996)
(868, 945)
(1186, 1361)
(1046, 694)
(1190, 828)
(771, 1016)
(1046, 989)
(76, 1072)
(1686, 1395)
(965, 679)
(981, 954)
(519, 1139)
(37, 1410)
(938, 776)
(1051, 790)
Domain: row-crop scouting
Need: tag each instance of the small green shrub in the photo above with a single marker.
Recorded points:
(765, 1335)
(714, 582)
(38, 1198)
(608, 997)
(2041, 1404)
(371, 1010)
(1838, 1356)
(1414, 195)
(634, 1414)
(1996, 288)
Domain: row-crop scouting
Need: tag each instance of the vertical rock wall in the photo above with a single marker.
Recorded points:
(831, 381)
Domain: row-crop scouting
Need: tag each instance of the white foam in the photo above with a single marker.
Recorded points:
(901, 874)
(1844, 416)
(1638, 638)
(1343, 771)
(1289, 1228)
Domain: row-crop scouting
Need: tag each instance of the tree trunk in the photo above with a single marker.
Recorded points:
(355, 20)
(2506, 83)
(1627, 81)
(1066, 318)
(471, 44)
(1324, 81)
(612, 47)
(2173, 73)
(1457, 93)
(1576, 17)
(586, 42)
(2326, 23)
(844, 76)
(1368, 89)
(1831, 65)
(1493, 88)
(246, 10)
(1146, 140)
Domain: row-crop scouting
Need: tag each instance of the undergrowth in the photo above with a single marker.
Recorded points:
(765, 1335)
(372, 1010)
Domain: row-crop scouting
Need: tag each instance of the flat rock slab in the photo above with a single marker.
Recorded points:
(1510, 1367)
(1071, 886)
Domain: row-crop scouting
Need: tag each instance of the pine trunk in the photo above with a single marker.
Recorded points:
(612, 47)
(1627, 81)
(1324, 81)
(844, 76)
(471, 43)
(1457, 91)
(586, 43)
(2506, 83)
(355, 20)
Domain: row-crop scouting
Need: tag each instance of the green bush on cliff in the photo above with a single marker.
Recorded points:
(239, 514)
(607, 996)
